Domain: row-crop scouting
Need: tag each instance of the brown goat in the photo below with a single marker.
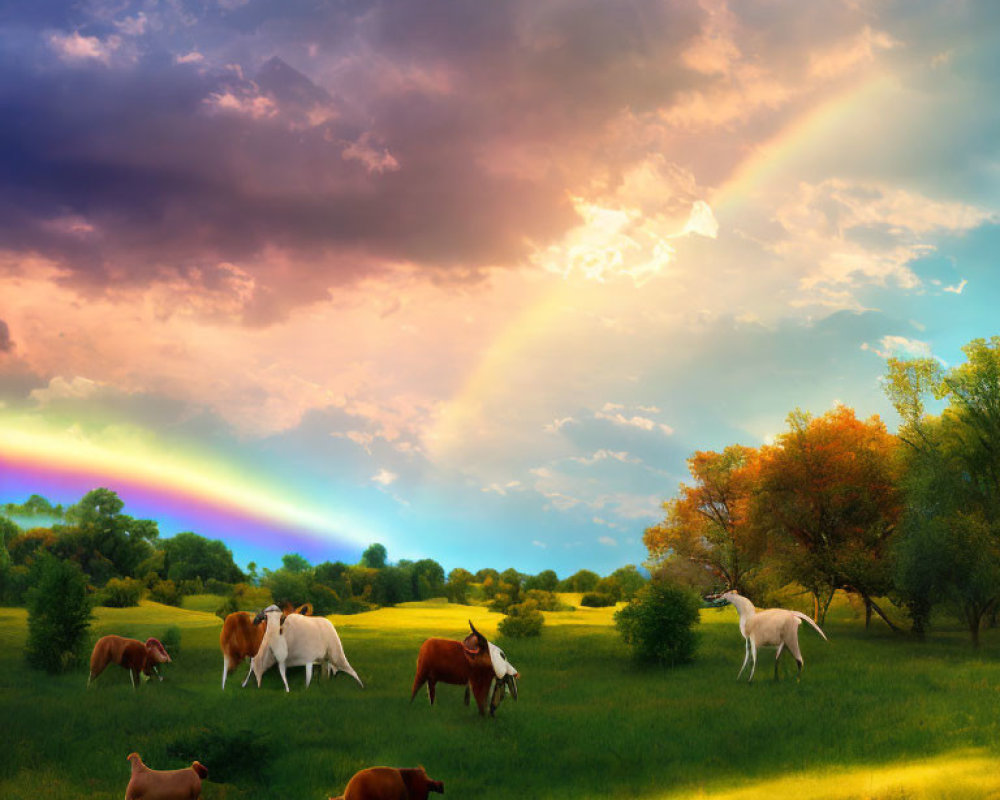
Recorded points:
(466, 663)
(240, 638)
(131, 654)
(389, 783)
(154, 784)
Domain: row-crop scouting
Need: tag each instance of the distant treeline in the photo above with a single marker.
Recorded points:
(124, 559)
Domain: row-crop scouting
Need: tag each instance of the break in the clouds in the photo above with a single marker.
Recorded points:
(451, 274)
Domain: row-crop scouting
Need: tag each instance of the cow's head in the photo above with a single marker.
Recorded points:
(157, 651)
(506, 675)
(264, 612)
(475, 645)
(418, 784)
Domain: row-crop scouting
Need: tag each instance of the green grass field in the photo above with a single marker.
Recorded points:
(875, 716)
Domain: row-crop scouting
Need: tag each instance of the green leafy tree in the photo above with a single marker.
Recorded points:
(189, 557)
(293, 562)
(583, 581)
(546, 581)
(58, 615)
(522, 620)
(375, 556)
(104, 541)
(629, 580)
(427, 577)
(458, 585)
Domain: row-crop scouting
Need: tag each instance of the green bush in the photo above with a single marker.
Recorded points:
(166, 592)
(658, 624)
(58, 615)
(239, 756)
(597, 600)
(522, 620)
(121, 593)
(171, 640)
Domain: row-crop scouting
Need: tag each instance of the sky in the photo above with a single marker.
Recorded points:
(472, 280)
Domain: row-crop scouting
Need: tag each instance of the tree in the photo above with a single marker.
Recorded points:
(293, 562)
(582, 581)
(375, 556)
(188, 556)
(829, 500)
(952, 479)
(103, 540)
(458, 585)
(58, 615)
(709, 523)
(546, 581)
(428, 579)
(629, 580)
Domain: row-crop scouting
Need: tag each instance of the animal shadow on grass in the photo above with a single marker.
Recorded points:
(231, 756)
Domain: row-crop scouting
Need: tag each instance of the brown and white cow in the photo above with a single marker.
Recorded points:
(240, 638)
(131, 654)
(389, 783)
(474, 662)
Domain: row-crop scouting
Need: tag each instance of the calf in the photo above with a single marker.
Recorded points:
(388, 783)
(473, 662)
(131, 654)
(154, 784)
(240, 638)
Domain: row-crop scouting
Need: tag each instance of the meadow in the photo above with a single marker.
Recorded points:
(875, 716)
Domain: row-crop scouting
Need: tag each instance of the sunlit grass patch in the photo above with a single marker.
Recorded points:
(953, 776)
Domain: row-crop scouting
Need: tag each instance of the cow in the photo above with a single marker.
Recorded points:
(295, 641)
(154, 784)
(474, 662)
(131, 654)
(240, 638)
(389, 783)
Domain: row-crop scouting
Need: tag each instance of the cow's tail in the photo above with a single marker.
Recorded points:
(809, 619)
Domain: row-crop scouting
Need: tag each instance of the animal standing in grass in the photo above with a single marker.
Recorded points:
(772, 627)
(240, 638)
(131, 654)
(295, 641)
(389, 783)
(154, 784)
(473, 662)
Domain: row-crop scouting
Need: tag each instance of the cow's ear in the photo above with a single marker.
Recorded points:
(281, 623)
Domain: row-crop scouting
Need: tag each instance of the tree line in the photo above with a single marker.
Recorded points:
(840, 503)
(124, 559)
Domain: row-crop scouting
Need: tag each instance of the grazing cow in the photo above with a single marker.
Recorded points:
(296, 641)
(241, 639)
(154, 784)
(388, 783)
(131, 654)
(474, 662)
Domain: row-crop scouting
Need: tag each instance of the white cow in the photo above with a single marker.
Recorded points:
(507, 675)
(296, 641)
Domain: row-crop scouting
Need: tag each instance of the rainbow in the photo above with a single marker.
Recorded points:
(177, 483)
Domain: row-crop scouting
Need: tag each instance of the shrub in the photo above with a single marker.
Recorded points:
(121, 593)
(58, 615)
(232, 756)
(658, 624)
(166, 592)
(215, 586)
(597, 600)
(171, 639)
(546, 601)
(522, 620)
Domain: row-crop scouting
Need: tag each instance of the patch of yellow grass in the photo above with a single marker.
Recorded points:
(961, 775)
(150, 613)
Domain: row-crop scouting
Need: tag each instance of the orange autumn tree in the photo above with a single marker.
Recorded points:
(709, 524)
(829, 499)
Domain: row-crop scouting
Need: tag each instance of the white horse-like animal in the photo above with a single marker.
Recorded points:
(295, 641)
(772, 627)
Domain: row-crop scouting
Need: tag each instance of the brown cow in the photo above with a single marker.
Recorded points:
(465, 663)
(154, 784)
(240, 638)
(389, 783)
(131, 654)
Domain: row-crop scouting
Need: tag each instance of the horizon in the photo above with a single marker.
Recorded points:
(471, 281)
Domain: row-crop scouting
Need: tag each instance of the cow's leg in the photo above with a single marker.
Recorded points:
(753, 659)
(284, 678)
(467, 692)
(746, 657)
(225, 670)
(431, 689)
(793, 648)
(777, 657)
(418, 681)
(309, 673)
(480, 691)
(132, 676)
(249, 673)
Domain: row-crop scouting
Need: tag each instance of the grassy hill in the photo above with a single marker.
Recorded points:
(875, 716)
